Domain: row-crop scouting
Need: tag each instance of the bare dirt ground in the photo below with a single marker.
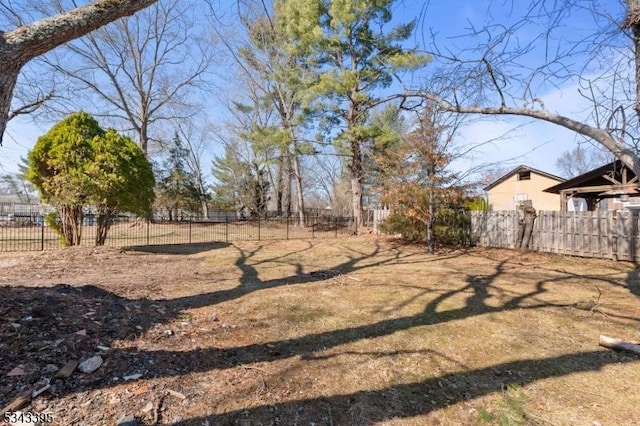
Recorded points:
(325, 332)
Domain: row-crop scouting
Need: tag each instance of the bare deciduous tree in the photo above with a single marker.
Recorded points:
(134, 70)
(27, 41)
(580, 160)
(511, 63)
(195, 143)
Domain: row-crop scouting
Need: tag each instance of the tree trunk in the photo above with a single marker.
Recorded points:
(278, 187)
(526, 219)
(71, 224)
(356, 184)
(294, 170)
(430, 225)
(144, 138)
(205, 208)
(520, 234)
(104, 220)
(19, 46)
(8, 78)
(287, 175)
(283, 185)
(632, 21)
(636, 44)
(297, 175)
(202, 196)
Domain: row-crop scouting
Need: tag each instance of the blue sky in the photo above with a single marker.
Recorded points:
(536, 144)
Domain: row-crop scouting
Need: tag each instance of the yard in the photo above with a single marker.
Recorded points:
(326, 332)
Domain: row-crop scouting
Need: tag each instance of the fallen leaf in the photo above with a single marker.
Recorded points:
(67, 370)
(141, 390)
(177, 394)
(17, 371)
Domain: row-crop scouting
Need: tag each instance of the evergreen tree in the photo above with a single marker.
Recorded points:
(240, 185)
(121, 181)
(358, 55)
(77, 165)
(388, 128)
(177, 191)
(57, 168)
(280, 75)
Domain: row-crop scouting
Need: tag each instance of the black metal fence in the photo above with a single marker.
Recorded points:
(30, 233)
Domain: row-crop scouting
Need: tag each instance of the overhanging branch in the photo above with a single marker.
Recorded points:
(610, 142)
(30, 107)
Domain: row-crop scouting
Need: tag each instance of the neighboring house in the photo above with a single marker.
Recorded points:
(18, 208)
(520, 184)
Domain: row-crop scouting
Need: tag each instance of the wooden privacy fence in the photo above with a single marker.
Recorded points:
(605, 235)
(379, 215)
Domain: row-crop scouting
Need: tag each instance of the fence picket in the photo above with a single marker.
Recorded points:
(607, 235)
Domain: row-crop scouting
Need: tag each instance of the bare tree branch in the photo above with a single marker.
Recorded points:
(535, 47)
(28, 41)
(613, 144)
(22, 44)
(30, 107)
(143, 69)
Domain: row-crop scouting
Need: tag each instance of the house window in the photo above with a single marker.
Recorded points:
(524, 175)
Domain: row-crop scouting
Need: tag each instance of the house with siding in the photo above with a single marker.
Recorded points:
(521, 184)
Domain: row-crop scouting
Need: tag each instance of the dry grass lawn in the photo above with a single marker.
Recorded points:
(352, 331)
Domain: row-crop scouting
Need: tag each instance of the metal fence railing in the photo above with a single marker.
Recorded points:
(33, 234)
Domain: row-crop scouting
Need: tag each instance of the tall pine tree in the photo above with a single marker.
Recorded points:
(359, 54)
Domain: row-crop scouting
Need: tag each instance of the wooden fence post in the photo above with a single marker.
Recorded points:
(613, 235)
(633, 236)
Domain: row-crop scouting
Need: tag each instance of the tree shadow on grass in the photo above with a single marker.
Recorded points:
(52, 325)
(408, 400)
(633, 280)
(71, 322)
(178, 248)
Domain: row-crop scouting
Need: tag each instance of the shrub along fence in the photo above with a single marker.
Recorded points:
(31, 234)
(606, 235)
